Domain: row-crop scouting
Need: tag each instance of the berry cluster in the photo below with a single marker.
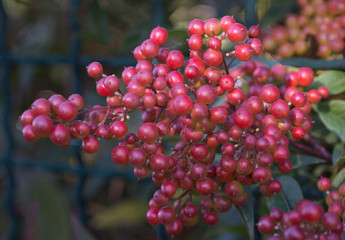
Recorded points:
(318, 31)
(335, 199)
(308, 220)
(248, 127)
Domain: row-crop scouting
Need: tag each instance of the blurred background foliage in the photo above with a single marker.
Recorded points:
(46, 201)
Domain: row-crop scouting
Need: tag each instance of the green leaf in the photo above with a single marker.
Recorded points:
(125, 213)
(338, 154)
(291, 194)
(247, 213)
(334, 80)
(332, 114)
(299, 160)
(339, 178)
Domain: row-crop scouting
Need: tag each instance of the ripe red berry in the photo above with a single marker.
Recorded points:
(148, 132)
(41, 106)
(269, 93)
(226, 22)
(159, 35)
(212, 27)
(206, 94)
(265, 225)
(59, 135)
(243, 118)
(254, 31)
(175, 59)
(67, 111)
(29, 133)
(324, 184)
(237, 33)
(149, 48)
(90, 144)
(42, 125)
(298, 133)
(94, 70)
(213, 58)
(195, 42)
(152, 216)
(244, 52)
(305, 76)
(280, 109)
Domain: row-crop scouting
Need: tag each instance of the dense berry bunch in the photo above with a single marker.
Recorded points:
(335, 199)
(248, 128)
(308, 220)
(318, 31)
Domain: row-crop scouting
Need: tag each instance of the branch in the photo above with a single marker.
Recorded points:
(309, 150)
(318, 146)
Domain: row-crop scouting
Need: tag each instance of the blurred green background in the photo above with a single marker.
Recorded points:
(42, 45)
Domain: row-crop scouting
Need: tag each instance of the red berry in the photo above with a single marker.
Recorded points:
(42, 125)
(254, 31)
(29, 133)
(152, 216)
(305, 76)
(298, 133)
(41, 106)
(324, 184)
(118, 129)
(243, 118)
(196, 27)
(269, 93)
(159, 35)
(244, 52)
(237, 33)
(94, 70)
(90, 144)
(175, 59)
(59, 135)
(149, 48)
(67, 111)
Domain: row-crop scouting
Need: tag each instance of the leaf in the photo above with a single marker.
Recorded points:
(127, 212)
(338, 154)
(291, 194)
(79, 232)
(247, 213)
(339, 178)
(299, 160)
(332, 114)
(334, 80)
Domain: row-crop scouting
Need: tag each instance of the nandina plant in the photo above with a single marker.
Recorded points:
(234, 123)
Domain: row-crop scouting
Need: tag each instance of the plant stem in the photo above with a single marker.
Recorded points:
(309, 150)
(318, 146)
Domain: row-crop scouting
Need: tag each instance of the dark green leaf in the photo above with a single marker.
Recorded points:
(338, 154)
(339, 178)
(299, 160)
(334, 80)
(332, 114)
(247, 213)
(291, 194)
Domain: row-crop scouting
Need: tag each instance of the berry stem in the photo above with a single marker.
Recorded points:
(232, 60)
(318, 146)
(310, 150)
(159, 114)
